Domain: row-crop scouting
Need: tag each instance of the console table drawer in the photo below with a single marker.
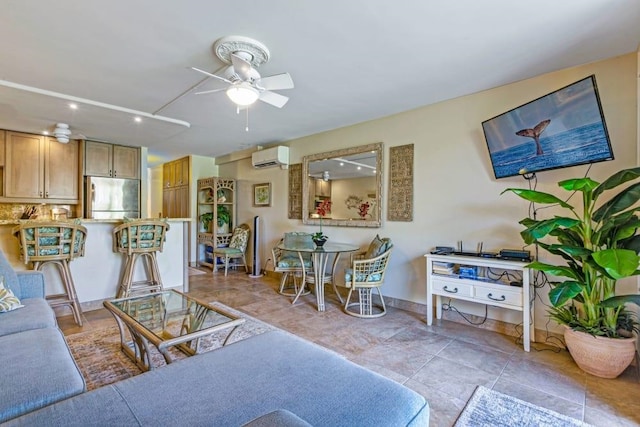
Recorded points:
(450, 287)
(503, 296)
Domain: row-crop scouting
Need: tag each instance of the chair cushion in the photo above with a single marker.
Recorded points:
(239, 239)
(377, 247)
(292, 261)
(227, 251)
(361, 277)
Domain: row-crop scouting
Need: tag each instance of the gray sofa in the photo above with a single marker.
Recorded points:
(38, 368)
(273, 379)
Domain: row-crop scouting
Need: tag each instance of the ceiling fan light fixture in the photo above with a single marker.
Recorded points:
(62, 132)
(243, 94)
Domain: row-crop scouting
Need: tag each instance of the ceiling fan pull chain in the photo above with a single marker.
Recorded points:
(247, 127)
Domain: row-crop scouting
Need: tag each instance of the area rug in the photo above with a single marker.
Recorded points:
(101, 361)
(491, 408)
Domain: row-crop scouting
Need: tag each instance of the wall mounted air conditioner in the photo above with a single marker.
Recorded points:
(269, 157)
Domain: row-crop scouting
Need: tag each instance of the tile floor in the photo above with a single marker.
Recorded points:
(443, 362)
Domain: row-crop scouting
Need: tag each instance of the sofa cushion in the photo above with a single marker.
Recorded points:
(36, 314)
(43, 371)
(8, 301)
(242, 381)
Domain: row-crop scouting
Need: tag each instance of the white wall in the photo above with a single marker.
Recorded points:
(456, 196)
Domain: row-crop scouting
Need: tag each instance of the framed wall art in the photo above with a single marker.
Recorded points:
(262, 194)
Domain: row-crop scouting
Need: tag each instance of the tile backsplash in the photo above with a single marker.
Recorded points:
(10, 211)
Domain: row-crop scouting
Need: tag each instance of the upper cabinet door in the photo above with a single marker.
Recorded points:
(61, 171)
(125, 162)
(24, 166)
(98, 159)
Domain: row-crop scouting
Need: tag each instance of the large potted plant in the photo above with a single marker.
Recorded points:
(599, 244)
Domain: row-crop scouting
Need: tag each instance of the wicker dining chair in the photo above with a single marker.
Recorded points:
(236, 250)
(290, 264)
(366, 274)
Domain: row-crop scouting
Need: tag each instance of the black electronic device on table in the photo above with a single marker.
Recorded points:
(515, 255)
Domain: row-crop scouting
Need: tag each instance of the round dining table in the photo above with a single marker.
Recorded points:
(320, 258)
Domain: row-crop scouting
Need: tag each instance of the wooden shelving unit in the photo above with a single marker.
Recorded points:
(213, 194)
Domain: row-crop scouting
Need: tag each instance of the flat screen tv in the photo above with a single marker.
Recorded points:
(564, 128)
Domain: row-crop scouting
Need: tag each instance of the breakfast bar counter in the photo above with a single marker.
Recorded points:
(96, 275)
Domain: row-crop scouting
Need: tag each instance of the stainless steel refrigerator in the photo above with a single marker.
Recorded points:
(112, 198)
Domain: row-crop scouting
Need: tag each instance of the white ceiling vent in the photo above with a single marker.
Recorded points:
(269, 157)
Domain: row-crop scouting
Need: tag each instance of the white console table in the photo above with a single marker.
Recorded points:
(482, 289)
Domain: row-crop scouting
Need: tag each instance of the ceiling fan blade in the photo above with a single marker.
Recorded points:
(206, 73)
(273, 98)
(276, 82)
(241, 66)
(210, 91)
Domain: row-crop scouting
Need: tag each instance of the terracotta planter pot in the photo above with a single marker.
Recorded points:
(600, 356)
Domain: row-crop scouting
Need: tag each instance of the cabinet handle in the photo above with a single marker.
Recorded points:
(502, 298)
(46, 194)
(115, 173)
(110, 174)
(446, 289)
(41, 194)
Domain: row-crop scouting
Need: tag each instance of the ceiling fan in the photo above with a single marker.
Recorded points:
(62, 133)
(245, 84)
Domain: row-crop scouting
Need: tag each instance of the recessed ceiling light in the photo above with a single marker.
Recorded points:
(73, 106)
(341, 164)
(44, 132)
(137, 119)
(359, 167)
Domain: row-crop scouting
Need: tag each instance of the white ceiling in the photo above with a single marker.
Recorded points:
(351, 61)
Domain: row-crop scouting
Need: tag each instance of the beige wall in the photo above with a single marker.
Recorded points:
(456, 196)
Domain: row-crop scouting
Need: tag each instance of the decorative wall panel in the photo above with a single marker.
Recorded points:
(400, 200)
(295, 191)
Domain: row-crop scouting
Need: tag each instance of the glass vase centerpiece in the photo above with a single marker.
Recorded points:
(322, 209)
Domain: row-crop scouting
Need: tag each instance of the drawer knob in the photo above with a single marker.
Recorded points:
(446, 289)
(502, 298)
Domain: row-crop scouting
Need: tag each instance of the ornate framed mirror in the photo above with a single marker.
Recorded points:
(351, 179)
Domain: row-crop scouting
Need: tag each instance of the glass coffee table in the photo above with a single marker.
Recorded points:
(167, 319)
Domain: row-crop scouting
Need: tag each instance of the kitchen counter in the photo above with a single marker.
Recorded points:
(96, 275)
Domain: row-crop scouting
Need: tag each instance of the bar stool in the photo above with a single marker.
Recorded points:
(57, 243)
(140, 239)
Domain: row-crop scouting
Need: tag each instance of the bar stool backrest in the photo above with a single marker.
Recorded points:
(50, 240)
(140, 236)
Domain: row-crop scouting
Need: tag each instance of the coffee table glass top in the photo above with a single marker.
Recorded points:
(171, 314)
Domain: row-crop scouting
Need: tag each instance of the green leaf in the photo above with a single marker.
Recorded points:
(619, 300)
(556, 270)
(632, 244)
(616, 179)
(580, 184)
(563, 292)
(543, 228)
(573, 251)
(618, 263)
(623, 200)
(538, 197)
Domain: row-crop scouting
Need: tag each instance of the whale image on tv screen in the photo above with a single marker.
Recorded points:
(564, 128)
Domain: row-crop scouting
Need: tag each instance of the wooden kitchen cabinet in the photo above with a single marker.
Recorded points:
(175, 188)
(176, 173)
(2, 148)
(38, 168)
(110, 160)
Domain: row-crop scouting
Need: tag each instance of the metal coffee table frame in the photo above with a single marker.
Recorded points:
(194, 314)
